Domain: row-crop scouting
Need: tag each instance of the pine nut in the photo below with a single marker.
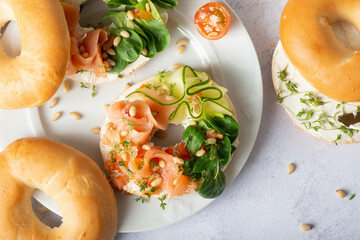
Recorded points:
(124, 34)
(111, 62)
(200, 153)
(146, 147)
(66, 86)
(104, 55)
(130, 15)
(305, 227)
(175, 182)
(180, 50)
(95, 130)
(162, 164)
(340, 193)
(107, 64)
(169, 98)
(156, 182)
(156, 175)
(132, 111)
(106, 106)
(127, 86)
(159, 134)
(193, 123)
(82, 49)
(155, 168)
(147, 6)
(75, 115)
(154, 113)
(111, 52)
(177, 65)
(183, 42)
(53, 102)
(144, 52)
(108, 125)
(178, 160)
(56, 116)
(211, 140)
(85, 55)
(117, 41)
(290, 168)
(42, 210)
(124, 133)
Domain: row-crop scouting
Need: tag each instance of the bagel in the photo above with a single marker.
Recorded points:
(313, 48)
(187, 97)
(313, 110)
(32, 78)
(96, 57)
(73, 180)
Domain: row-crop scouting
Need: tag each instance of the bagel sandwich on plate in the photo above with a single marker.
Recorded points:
(186, 97)
(315, 68)
(136, 34)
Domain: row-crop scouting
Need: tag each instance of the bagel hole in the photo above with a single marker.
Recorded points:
(347, 35)
(173, 135)
(10, 39)
(44, 214)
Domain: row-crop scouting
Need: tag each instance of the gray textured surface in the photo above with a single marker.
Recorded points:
(264, 202)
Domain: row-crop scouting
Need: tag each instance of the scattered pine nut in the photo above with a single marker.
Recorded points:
(56, 116)
(156, 175)
(155, 168)
(146, 147)
(200, 153)
(162, 164)
(111, 62)
(104, 55)
(160, 134)
(108, 125)
(95, 130)
(82, 49)
(340, 193)
(66, 86)
(290, 168)
(178, 160)
(127, 86)
(106, 106)
(156, 182)
(117, 41)
(154, 113)
(75, 115)
(175, 182)
(42, 210)
(183, 42)
(132, 111)
(213, 34)
(211, 140)
(169, 98)
(305, 227)
(193, 123)
(147, 6)
(144, 52)
(130, 15)
(124, 34)
(53, 102)
(180, 50)
(124, 133)
(111, 52)
(177, 65)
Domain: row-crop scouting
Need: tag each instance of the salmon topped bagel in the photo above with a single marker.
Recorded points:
(187, 97)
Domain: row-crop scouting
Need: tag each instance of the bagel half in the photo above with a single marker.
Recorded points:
(130, 97)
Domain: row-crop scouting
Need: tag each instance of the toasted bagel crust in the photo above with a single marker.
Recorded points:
(312, 47)
(73, 180)
(32, 78)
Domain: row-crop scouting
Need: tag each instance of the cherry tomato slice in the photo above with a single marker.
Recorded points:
(212, 21)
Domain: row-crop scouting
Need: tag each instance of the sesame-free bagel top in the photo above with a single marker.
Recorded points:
(312, 47)
(32, 78)
(73, 180)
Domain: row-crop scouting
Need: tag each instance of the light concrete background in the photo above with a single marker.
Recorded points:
(264, 202)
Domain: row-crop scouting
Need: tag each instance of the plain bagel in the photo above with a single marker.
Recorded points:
(73, 180)
(32, 78)
(312, 47)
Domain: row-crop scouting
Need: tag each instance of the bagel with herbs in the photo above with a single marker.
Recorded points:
(316, 69)
(107, 53)
(34, 76)
(186, 97)
(73, 180)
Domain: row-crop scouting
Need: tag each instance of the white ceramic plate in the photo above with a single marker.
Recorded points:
(231, 61)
